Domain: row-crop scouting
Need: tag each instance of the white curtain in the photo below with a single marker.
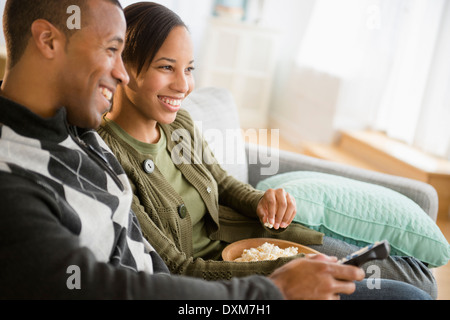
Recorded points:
(392, 57)
(433, 130)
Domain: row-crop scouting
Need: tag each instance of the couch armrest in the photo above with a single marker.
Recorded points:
(421, 193)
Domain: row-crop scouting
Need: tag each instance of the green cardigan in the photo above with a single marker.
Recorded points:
(169, 230)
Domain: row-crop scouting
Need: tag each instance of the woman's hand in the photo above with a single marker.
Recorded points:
(277, 207)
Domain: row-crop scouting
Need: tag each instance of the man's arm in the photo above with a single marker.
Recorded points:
(42, 259)
(316, 277)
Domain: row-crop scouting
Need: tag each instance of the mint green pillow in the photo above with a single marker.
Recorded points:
(361, 213)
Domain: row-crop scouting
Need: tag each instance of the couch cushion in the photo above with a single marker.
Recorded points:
(362, 213)
(215, 114)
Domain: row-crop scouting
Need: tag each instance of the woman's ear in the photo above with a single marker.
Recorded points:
(46, 37)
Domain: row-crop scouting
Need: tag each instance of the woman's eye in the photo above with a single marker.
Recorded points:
(166, 68)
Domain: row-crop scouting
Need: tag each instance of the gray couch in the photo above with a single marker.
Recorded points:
(215, 113)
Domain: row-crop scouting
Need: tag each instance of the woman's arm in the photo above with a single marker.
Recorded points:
(179, 263)
(277, 208)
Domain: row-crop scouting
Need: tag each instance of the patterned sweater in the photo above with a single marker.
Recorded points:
(66, 228)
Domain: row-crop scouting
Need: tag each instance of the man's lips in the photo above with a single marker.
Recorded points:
(106, 92)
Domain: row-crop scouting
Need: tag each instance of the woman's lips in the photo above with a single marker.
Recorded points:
(173, 104)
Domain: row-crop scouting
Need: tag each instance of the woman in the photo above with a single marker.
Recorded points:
(181, 204)
(178, 205)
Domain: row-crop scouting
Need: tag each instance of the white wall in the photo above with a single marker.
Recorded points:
(290, 18)
(195, 14)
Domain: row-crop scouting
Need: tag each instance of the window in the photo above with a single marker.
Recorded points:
(392, 59)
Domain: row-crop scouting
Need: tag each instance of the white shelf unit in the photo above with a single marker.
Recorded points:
(241, 57)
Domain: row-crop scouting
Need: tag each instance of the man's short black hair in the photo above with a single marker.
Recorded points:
(19, 15)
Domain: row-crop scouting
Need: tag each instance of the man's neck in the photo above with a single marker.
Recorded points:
(22, 86)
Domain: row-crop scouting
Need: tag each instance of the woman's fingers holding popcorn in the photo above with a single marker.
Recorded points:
(277, 208)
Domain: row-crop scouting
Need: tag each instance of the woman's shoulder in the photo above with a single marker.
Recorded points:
(104, 131)
(183, 121)
(185, 116)
(113, 139)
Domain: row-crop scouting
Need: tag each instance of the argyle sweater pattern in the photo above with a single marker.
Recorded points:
(89, 187)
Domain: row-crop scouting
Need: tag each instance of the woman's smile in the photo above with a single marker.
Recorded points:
(172, 104)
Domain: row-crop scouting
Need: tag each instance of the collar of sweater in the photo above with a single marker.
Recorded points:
(28, 124)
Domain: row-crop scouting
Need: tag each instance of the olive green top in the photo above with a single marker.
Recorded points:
(169, 220)
(201, 243)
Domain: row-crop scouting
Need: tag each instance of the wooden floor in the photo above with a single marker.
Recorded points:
(442, 274)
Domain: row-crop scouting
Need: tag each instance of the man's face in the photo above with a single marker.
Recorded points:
(92, 65)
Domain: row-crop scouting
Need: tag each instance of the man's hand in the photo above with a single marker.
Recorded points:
(277, 207)
(316, 277)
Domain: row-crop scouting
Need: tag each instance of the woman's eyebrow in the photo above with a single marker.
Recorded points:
(171, 60)
(167, 59)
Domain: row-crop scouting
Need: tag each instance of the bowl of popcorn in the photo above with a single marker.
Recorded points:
(262, 249)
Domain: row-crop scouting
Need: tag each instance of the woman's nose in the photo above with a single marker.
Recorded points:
(181, 82)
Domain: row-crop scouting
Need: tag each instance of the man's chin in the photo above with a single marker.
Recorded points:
(92, 122)
(107, 109)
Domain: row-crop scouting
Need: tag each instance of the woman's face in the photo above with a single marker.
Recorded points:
(157, 93)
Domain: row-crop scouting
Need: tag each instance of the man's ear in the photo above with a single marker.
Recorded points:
(47, 38)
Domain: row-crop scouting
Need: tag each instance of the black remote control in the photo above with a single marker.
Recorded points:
(377, 250)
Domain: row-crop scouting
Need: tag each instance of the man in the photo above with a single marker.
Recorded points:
(66, 230)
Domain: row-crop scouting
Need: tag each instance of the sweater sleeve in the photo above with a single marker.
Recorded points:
(43, 259)
(179, 263)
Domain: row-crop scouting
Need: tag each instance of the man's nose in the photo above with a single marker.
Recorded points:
(120, 73)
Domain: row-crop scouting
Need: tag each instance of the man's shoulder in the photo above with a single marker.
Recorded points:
(16, 179)
(19, 190)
